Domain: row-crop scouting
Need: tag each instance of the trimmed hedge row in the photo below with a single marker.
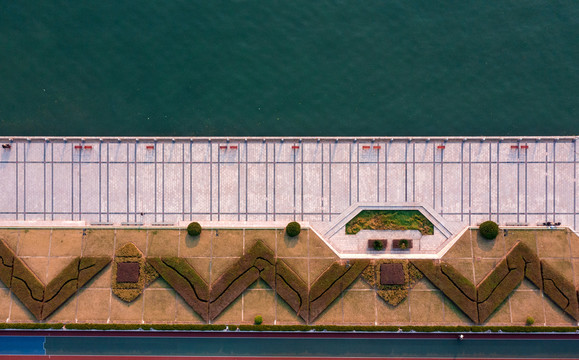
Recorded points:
(292, 289)
(42, 300)
(309, 328)
(519, 262)
(560, 290)
(59, 289)
(186, 281)
(6, 263)
(495, 293)
(74, 276)
(258, 260)
(331, 284)
(480, 302)
(455, 286)
(521, 256)
(28, 288)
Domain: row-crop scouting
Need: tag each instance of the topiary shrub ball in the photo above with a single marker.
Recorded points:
(530, 321)
(489, 229)
(194, 229)
(293, 229)
(258, 320)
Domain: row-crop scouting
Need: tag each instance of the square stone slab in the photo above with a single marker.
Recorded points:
(128, 272)
(391, 274)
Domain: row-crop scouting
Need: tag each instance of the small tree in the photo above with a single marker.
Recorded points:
(293, 229)
(403, 244)
(258, 320)
(194, 229)
(378, 245)
(530, 320)
(489, 230)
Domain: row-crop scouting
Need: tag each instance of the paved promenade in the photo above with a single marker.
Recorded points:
(164, 180)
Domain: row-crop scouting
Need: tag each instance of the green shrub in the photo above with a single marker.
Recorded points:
(378, 245)
(403, 244)
(194, 229)
(293, 229)
(258, 320)
(530, 320)
(489, 230)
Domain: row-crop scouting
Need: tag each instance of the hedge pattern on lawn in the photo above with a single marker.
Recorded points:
(332, 283)
(560, 290)
(479, 302)
(43, 300)
(130, 291)
(209, 301)
(392, 294)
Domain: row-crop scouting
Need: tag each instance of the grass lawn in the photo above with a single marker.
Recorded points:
(359, 307)
(93, 305)
(390, 315)
(390, 220)
(426, 307)
(163, 242)
(227, 243)
(462, 248)
(159, 305)
(527, 303)
(34, 242)
(99, 243)
(259, 302)
(66, 242)
(553, 243)
(126, 312)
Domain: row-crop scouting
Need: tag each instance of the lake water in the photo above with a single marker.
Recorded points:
(239, 68)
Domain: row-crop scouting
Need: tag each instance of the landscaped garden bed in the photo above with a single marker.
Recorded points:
(377, 244)
(299, 284)
(390, 220)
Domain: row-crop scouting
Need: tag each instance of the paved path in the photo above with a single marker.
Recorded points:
(126, 180)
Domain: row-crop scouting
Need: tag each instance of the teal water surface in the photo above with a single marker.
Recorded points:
(188, 67)
(311, 347)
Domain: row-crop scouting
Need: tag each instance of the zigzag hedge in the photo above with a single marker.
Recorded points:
(42, 300)
(480, 302)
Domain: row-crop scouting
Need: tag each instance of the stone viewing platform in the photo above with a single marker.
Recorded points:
(381, 219)
(511, 180)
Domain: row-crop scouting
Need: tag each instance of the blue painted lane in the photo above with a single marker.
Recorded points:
(22, 345)
(313, 347)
